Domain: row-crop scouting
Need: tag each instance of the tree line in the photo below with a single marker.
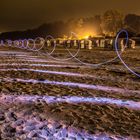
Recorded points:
(107, 24)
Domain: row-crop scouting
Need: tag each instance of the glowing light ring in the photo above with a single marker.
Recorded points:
(21, 45)
(58, 59)
(2, 43)
(94, 65)
(89, 64)
(66, 59)
(9, 43)
(49, 36)
(42, 40)
(117, 51)
(74, 56)
(15, 43)
(25, 40)
(29, 43)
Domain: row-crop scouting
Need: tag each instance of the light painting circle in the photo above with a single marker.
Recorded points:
(117, 51)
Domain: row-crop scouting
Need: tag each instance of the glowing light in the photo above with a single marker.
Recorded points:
(74, 85)
(87, 33)
(49, 72)
(40, 65)
(86, 37)
(40, 61)
(117, 51)
(69, 99)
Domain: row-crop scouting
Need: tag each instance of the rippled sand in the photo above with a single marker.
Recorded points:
(43, 99)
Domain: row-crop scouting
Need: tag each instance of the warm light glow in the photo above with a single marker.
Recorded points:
(86, 37)
(84, 33)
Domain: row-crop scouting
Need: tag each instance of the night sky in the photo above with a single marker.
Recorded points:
(24, 14)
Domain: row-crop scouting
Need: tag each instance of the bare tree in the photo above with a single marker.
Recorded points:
(112, 22)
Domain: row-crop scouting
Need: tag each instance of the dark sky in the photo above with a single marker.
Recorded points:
(23, 14)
